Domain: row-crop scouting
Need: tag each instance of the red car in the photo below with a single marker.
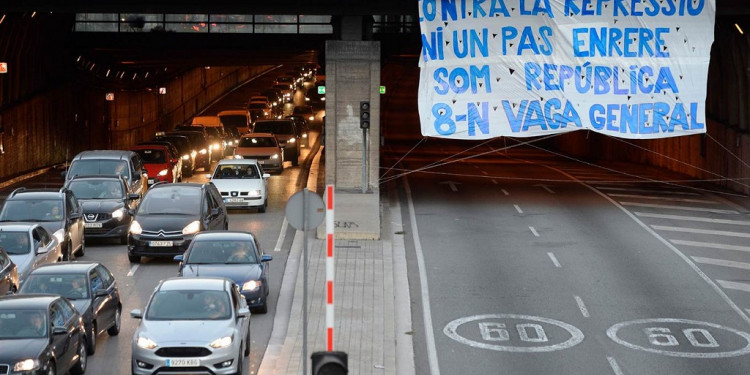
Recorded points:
(160, 163)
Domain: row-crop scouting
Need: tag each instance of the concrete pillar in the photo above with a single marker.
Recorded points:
(352, 76)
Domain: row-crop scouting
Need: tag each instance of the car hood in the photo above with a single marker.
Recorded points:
(20, 349)
(165, 222)
(153, 169)
(100, 205)
(256, 151)
(239, 273)
(23, 264)
(173, 332)
(52, 226)
(81, 305)
(238, 184)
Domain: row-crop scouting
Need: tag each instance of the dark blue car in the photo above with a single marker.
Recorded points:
(235, 255)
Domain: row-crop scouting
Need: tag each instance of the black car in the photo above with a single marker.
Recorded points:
(286, 132)
(234, 255)
(58, 211)
(8, 274)
(184, 149)
(201, 146)
(303, 129)
(89, 286)
(105, 201)
(170, 215)
(41, 335)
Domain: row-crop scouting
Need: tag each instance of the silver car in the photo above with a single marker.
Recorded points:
(195, 325)
(29, 246)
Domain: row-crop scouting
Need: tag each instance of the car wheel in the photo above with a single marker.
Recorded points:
(295, 160)
(82, 251)
(124, 239)
(247, 343)
(134, 258)
(80, 366)
(188, 172)
(68, 252)
(263, 308)
(91, 342)
(239, 364)
(115, 329)
(262, 208)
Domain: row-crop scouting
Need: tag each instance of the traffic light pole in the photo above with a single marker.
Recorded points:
(364, 161)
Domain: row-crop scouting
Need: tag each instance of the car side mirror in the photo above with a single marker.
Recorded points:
(214, 211)
(208, 176)
(266, 175)
(59, 330)
(133, 196)
(179, 258)
(266, 258)
(41, 250)
(131, 212)
(136, 314)
(101, 293)
(243, 312)
(75, 215)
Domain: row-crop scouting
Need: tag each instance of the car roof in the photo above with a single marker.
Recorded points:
(27, 301)
(97, 177)
(16, 226)
(150, 146)
(103, 154)
(228, 235)
(237, 161)
(64, 268)
(258, 135)
(194, 283)
(23, 193)
(177, 185)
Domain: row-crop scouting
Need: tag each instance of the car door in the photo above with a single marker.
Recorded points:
(64, 345)
(211, 219)
(46, 256)
(50, 243)
(221, 219)
(6, 274)
(74, 216)
(243, 323)
(104, 306)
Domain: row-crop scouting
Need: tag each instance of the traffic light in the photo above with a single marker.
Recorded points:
(364, 115)
(329, 363)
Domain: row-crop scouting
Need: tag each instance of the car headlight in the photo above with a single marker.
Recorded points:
(238, 156)
(255, 193)
(221, 342)
(135, 228)
(304, 135)
(216, 146)
(251, 285)
(60, 235)
(185, 157)
(118, 213)
(191, 228)
(292, 140)
(202, 151)
(275, 156)
(163, 172)
(194, 153)
(26, 365)
(145, 343)
(311, 118)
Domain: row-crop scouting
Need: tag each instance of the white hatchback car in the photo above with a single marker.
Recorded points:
(242, 183)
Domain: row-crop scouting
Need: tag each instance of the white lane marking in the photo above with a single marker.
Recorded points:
(701, 231)
(546, 187)
(711, 245)
(582, 307)
(426, 312)
(646, 190)
(684, 208)
(744, 287)
(505, 192)
(534, 232)
(554, 260)
(614, 365)
(520, 211)
(485, 173)
(133, 269)
(669, 199)
(282, 234)
(693, 218)
(722, 262)
(494, 181)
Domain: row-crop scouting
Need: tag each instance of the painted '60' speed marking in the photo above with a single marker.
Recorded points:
(513, 333)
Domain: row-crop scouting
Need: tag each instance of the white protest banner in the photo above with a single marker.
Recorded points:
(522, 68)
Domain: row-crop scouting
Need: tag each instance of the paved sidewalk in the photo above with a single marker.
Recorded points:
(370, 297)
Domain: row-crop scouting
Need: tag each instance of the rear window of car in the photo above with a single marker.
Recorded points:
(277, 127)
(153, 156)
(98, 167)
(258, 142)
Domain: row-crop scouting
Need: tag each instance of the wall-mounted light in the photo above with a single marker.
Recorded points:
(162, 90)
(107, 75)
(739, 28)
(2, 19)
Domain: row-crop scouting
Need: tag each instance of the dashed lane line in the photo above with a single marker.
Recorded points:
(518, 208)
(676, 192)
(615, 367)
(668, 199)
(282, 235)
(132, 270)
(684, 208)
(692, 218)
(710, 245)
(722, 262)
(744, 287)
(553, 258)
(701, 231)
(582, 307)
(534, 232)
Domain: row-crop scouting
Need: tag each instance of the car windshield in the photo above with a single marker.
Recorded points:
(96, 189)
(98, 167)
(15, 243)
(257, 105)
(70, 286)
(236, 171)
(32, 210)
(258, 142)
(22, 324)
(276, 127)
(152, 156)
(170, 200)
(189, 305)
(222, 252)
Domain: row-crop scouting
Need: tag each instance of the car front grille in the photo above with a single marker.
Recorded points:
(97, 216)
(256, 157)
(4, 369)
(161, 233)
(183, 351)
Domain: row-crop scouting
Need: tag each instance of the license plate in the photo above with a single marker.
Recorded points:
(151, 181)
(261, 162)
(92, 225)
(183, 362)
(160, 243)
(234, 200)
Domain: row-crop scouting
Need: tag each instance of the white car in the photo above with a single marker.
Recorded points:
(242, 183)
(29, 246)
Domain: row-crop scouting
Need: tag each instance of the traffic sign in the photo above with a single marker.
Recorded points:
(296, 212)
(3, 67)
(321, 90)
(110, 96)
(382, 90)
